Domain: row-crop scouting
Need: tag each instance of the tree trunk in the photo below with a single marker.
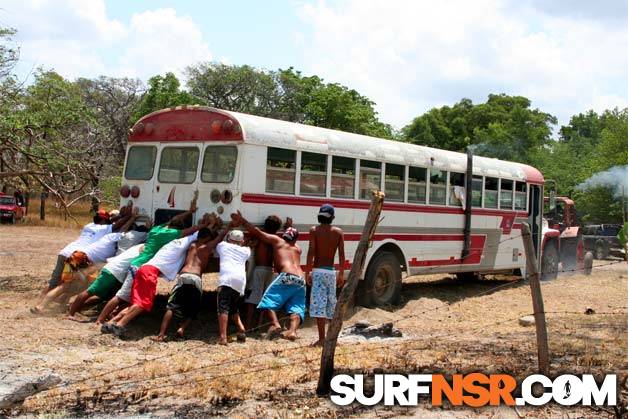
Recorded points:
(42, 206)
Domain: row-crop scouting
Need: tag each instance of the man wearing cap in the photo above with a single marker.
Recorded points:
(231, 283)
(287, 291)
(325, 240)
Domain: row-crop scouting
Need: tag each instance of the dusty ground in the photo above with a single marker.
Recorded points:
(448, 327)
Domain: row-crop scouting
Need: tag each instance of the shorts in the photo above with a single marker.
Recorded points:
(55, 278)
(185, 297)
(287, 291)
(260, 280)
(105, 285)
(124, 293)
(323, 295)
(228, 300)
(145, 287)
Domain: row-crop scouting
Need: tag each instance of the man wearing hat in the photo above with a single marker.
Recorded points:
(287, 291)
(231, 283)
(325, 240)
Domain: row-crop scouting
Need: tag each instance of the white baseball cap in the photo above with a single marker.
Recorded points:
(236, 236)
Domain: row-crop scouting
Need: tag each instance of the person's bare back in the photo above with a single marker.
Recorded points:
(263, 254)
(327, 239)
(197, 258)
(287, 257)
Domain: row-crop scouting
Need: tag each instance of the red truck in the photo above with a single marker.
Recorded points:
(10, 210)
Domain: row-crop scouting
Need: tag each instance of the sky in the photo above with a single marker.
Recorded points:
(566, 56)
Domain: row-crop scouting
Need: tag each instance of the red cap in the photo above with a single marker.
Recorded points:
(103, 214)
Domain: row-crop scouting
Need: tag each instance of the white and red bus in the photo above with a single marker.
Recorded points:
(263, 166)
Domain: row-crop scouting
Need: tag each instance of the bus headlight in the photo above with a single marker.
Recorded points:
(226, 197)
(125, 191)
(135, 191)
(214, 196)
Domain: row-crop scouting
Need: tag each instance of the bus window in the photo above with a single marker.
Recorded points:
(219, 164)
(342, 177)
(417, 177)
(505, 195)
(140, 162)
(395, 182)
(491, 184)
(520, 195)
(476, 191)
(280, 170)
(370, 177)
(313, 174)
(178, 164)
(455, 179)
(438, 183)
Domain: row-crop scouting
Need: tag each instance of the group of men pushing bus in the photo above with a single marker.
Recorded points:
(137, 255)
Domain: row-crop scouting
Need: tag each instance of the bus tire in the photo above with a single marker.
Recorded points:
(588, 263)
(382, 283)
(600, 250)
(549, 262)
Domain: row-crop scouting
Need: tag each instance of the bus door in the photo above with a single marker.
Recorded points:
(218, 179)
(176, 181)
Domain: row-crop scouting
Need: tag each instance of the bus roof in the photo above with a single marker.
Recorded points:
(199, 123)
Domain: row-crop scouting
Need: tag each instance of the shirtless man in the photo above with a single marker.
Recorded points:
(325, 240)
(288, 289)
(262, 274)
(185, 298)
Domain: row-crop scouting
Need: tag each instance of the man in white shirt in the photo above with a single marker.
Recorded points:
(231, 283)
(103, 224)
(74, 277)
(167, 262)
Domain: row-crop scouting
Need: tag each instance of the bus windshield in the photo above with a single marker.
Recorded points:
(7, 200)
(219, 163)
(140, 162)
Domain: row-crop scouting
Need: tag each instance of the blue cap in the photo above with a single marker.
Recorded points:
(326, 210)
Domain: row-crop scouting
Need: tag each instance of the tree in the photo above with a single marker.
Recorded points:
(163, 92)
(504, 127)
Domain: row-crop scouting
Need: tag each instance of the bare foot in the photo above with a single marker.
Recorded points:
(317, 343)
(180, 333)
(70, 317)
(36, 310)
(291, 336)
(222, 341)
(158, 338)
(274, 332)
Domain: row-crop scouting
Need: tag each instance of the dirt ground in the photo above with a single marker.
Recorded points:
(448, 327)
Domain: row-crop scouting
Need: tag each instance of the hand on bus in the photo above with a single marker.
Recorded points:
(193, 206)
(237, 219)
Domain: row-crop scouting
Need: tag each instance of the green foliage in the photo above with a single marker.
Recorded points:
(163, 92)
(110, 190)
(504, 127)
(285, 94)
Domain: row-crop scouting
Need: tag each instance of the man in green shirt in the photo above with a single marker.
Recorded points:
(158, 237)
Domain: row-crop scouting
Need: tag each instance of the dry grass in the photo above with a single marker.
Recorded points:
(447, 328)
(56, 217)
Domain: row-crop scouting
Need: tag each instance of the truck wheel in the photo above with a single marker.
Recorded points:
(600, 251)
(549, 262)
(382, 282)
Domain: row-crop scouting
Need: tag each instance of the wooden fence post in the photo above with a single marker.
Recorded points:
(331, 338)
(42, 206)
(532, 273)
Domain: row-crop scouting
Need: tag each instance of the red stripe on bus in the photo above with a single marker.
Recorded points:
(355, 204)
(354, 237)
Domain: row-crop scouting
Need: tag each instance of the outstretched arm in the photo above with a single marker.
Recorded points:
(182, 216)
(130, 221)
(238, 220)
(126, 214)
(205, 221)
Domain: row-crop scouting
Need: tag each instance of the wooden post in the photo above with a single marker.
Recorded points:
(329, 347)
(532, 272)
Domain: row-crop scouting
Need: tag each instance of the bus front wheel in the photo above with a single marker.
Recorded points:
(382, 282)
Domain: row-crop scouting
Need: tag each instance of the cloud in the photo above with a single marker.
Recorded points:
(78, 38)
(411, 56)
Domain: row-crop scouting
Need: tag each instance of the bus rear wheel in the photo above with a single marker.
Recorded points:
(382, 282)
